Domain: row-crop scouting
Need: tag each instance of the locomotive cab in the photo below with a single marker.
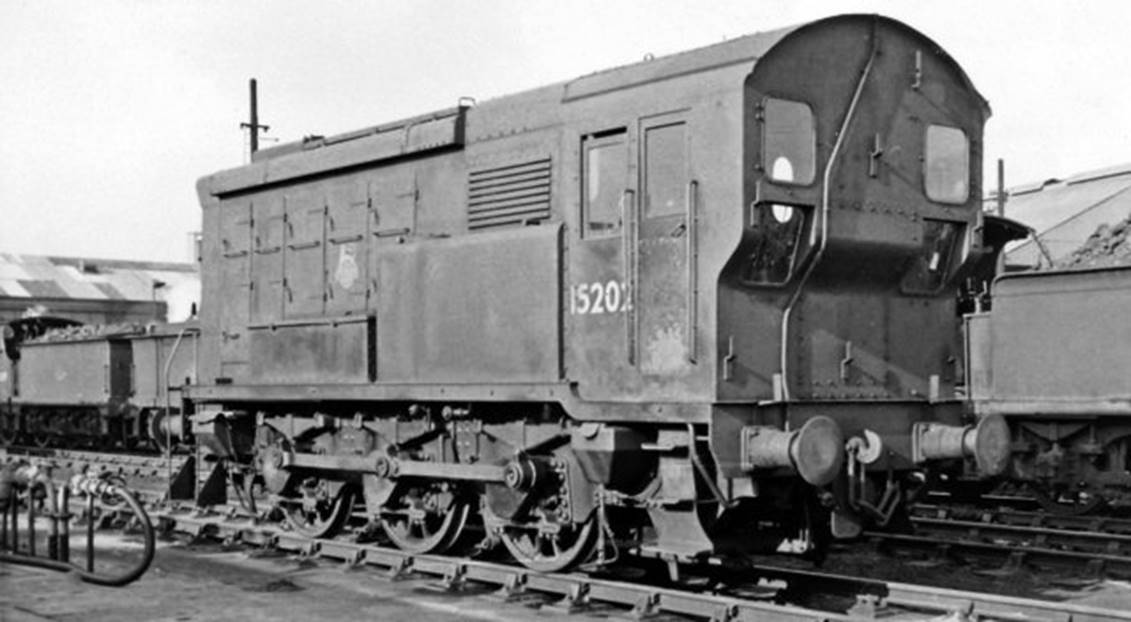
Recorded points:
(861, 218)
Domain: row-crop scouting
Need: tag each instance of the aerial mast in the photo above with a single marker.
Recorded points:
(253, 118)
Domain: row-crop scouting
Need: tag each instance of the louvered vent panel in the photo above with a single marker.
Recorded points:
(509, 195)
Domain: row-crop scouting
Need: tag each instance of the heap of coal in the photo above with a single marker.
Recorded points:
(91, 331)
(1108, 246)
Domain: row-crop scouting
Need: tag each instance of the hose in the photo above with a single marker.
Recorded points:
(93, 488)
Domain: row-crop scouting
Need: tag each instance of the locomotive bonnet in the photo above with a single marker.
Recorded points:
(700, 303)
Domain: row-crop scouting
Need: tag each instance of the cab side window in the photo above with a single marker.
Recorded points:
(604, 180)
(946, 174)
(776, 230)
(789, 141)
(665, 170)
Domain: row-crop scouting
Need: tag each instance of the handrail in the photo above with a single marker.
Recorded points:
(692, 270)
(629, 254)
(169, 410)
(826, 179)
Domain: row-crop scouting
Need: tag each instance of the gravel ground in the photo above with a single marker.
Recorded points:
(206, 582)
(982, 576)
(200, 582)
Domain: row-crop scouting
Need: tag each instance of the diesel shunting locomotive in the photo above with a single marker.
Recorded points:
(695, 304)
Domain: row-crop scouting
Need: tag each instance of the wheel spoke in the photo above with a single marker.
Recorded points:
(426, 520)
(545, 551)
(325, 518)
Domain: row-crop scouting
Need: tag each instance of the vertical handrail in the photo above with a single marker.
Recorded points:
(849, 115)
(692, 270)
(628, 241)
(168, 413)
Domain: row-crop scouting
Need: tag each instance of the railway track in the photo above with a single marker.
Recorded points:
(1026, 518)
(709, 589)
(1098, 546)
(748, 592)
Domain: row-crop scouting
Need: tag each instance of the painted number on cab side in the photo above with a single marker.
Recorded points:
(591, 298)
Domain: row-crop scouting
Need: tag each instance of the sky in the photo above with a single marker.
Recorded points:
(110, 110)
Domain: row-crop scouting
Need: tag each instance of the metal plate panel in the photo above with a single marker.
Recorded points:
(475, 308)
(234, 296)
(1062, 340)
(304, 284)
(979, 356)
(267, 259)
(394, 201)
(150, 354)
(663, 245)
(347, 248)
(80, 372)
(314, 352)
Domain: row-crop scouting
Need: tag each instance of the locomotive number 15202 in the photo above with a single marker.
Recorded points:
(593, 298)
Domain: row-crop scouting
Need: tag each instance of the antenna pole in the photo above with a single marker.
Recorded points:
(253, 119)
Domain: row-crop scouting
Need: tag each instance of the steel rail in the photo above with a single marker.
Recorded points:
(1078, 540)
(1088, 522)
(974, 605)
(577, 591)
(1014, 553)
(1099, 544)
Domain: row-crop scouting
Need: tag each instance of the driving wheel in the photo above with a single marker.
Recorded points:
(429, 518)
(318, 512)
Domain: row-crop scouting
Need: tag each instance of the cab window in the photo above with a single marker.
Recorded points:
(665, 170)
(776, 232)
(947, 165)
(604, 180)
(930, 268)
(789, 141)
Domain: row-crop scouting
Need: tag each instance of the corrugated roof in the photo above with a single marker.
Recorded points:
(1065, 212)
(37, 276)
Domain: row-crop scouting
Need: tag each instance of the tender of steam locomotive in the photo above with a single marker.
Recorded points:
(1052, 358)
(63, 384)
(689, 305)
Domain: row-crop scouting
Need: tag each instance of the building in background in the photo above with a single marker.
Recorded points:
(1064, 213)
(97, 291)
